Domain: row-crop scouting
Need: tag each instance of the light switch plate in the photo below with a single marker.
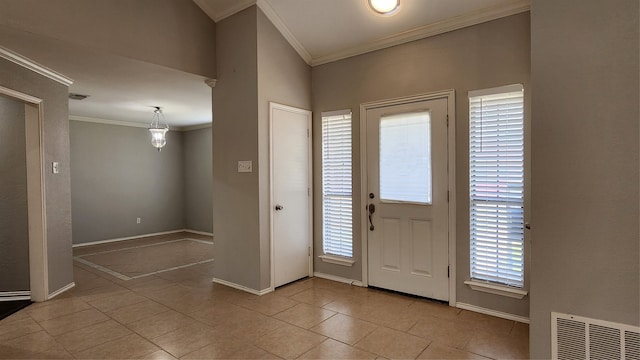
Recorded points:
(245, 166)
(55, 167)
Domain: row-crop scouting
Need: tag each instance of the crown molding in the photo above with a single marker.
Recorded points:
(271, 14)
(238, 5)
(34, 66)
(422, 32)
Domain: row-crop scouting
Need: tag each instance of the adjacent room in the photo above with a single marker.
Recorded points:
(320, 179)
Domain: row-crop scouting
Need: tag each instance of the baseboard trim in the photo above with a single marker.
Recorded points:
(338, 279)
(138, 236)
(242, 287)
(15, 295)
(491, 312)
(199, 232)
(61, 290)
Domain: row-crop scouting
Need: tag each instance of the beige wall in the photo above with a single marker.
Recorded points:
(482, 56)
(586, 249)
(283, 77)
(198, 180)
(56, 148)
(172, 33)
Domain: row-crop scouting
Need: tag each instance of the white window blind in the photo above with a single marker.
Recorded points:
(336, 184)
(496, 148)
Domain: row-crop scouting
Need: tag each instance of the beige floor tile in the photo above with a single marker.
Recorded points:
(305, 316)
(221, 347)
(396, 316)
(269, 304)
(75, 321)
(39, 345)
(14, 329)
(159, 355)
(97, 293)
(316, 296)
(145, 284)
(345, 328)
(487, 323)
(20, 315)
(294, 287)
(440, 351)
(186, 339)
(94, 335)
(332, 349)
(289, 341)
(117, 301)
(160, 324)
(351, 305)
(393, 344)
(181, 298)
(55, 308)
(454, 333)
(433, 308)
(135, 312)
(498, 346)
(127, 347)
(249, 325)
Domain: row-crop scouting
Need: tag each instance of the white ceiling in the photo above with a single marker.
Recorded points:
(321, 31)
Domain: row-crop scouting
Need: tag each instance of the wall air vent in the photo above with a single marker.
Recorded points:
(73, 96)
(575, 337)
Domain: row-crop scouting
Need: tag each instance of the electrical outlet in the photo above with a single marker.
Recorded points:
(138, 220)
(245, 166)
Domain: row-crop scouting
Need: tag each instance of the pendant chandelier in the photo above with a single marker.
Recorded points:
(158, 129)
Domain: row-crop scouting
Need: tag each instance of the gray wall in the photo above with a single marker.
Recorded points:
(56, 148)
(198, 179)
(117, 176)
(172, 33)
(482, 56)
(283, 77)
(585, 163)
(14, 227)
(236, 223)
(256, 65)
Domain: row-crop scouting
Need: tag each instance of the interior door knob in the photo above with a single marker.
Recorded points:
(279, 207)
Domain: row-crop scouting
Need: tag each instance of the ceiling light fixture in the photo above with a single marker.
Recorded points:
(384, 7)
(158, 129)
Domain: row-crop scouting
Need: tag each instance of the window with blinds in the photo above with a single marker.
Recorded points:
(496, 184)
(336, 184)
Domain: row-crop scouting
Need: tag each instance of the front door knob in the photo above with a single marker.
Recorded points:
(279, 207)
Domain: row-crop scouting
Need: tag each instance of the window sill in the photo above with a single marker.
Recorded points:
(338, 260)
(497, 289)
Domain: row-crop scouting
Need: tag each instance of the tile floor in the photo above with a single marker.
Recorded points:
(182, 314)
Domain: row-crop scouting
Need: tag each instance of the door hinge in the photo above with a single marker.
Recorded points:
(309, 251)
(448, 192)
(448, 267)
(447, 120)
(307, 132)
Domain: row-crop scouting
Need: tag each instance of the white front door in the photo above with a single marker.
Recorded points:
(407, 185)
(291, 193)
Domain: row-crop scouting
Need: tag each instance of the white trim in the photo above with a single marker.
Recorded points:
(241, 287)
(273, 106)
(491, 312)
(15, 295)
(135, 124)
(61, 290)
(437, 28)
(34, 66)
(339, 279)
(19, 95)
(497, 289)
(497, 90)
(238, 5)
(127, 238)
(451, 161)
(198, 232)
(271, 14)
(338, 260)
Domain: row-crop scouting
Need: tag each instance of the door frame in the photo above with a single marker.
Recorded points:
(451, 161)
(36, 213)
(276, 106)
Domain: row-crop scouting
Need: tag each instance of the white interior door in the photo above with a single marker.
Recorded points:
(291, 193)
(407, 185)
